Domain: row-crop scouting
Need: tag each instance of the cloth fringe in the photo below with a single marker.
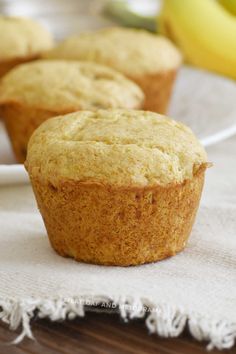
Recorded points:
(164, 320)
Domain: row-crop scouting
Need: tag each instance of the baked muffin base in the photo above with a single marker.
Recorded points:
(100, 224)
(20, 122)
(157, 89)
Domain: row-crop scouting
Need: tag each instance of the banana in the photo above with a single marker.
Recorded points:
(205, 32)
(230, 5)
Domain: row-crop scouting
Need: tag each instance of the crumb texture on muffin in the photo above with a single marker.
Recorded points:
(69, 85)
(114, 147)
(22, 37)
(131, 51)
(116, 187)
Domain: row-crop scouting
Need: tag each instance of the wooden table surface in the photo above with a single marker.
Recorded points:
(98, 333)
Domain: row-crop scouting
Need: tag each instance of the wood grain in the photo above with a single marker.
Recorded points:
(98, 333)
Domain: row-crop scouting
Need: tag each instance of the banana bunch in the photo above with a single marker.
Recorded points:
(204, 30)
(230, 5)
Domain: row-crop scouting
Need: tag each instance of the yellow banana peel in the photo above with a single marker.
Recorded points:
(230, 5)
(205, 32)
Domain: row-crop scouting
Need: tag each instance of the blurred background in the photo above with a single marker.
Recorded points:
(65, 17)
(205, 30)
(61, 17)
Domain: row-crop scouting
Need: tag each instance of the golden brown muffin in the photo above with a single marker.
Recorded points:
(21, 40)
(150, 60)
(116, 187)
(34, 92)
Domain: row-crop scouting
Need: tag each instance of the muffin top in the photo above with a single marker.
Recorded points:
(114, 147)
(68, 86)
(131, 51)
(22, 37)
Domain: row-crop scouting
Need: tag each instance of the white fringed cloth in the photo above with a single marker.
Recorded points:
(197, 288)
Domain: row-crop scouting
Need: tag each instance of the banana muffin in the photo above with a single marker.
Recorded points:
(150, 60)
(116, 187)
(34, 92)
(22, 40)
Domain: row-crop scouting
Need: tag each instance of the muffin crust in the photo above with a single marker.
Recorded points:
(150, 60)
(67, 86)
(22, 38)
(115, 147)
(133, 52)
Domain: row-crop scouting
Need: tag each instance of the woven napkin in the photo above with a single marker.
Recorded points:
(196, 288)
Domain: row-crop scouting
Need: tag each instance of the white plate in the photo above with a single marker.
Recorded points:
(204, 101)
